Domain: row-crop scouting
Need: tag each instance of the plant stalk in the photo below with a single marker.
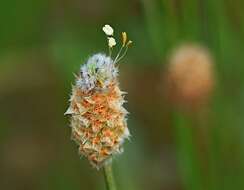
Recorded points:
(109, 177)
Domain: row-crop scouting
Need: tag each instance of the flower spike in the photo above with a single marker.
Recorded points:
(97, 116)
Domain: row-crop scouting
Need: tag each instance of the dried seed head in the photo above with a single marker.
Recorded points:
(98, 118)
(190, 76)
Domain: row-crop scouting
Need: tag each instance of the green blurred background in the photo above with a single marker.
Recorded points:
(43, 42)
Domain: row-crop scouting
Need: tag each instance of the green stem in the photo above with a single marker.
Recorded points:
(109, 177)
(188, 159)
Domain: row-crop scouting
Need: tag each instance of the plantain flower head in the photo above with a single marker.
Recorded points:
(97, 116)
(190, 75)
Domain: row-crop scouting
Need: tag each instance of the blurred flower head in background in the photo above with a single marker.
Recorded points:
(190, 76)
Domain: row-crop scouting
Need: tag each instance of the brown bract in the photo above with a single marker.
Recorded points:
(98, 122)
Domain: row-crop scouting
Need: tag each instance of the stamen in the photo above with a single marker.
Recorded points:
(115, 60)
(123, 55)
(124, 38)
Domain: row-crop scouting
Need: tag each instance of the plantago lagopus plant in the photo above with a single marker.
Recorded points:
(98, 118)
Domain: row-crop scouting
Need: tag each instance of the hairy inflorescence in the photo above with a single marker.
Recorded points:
(98, 118)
